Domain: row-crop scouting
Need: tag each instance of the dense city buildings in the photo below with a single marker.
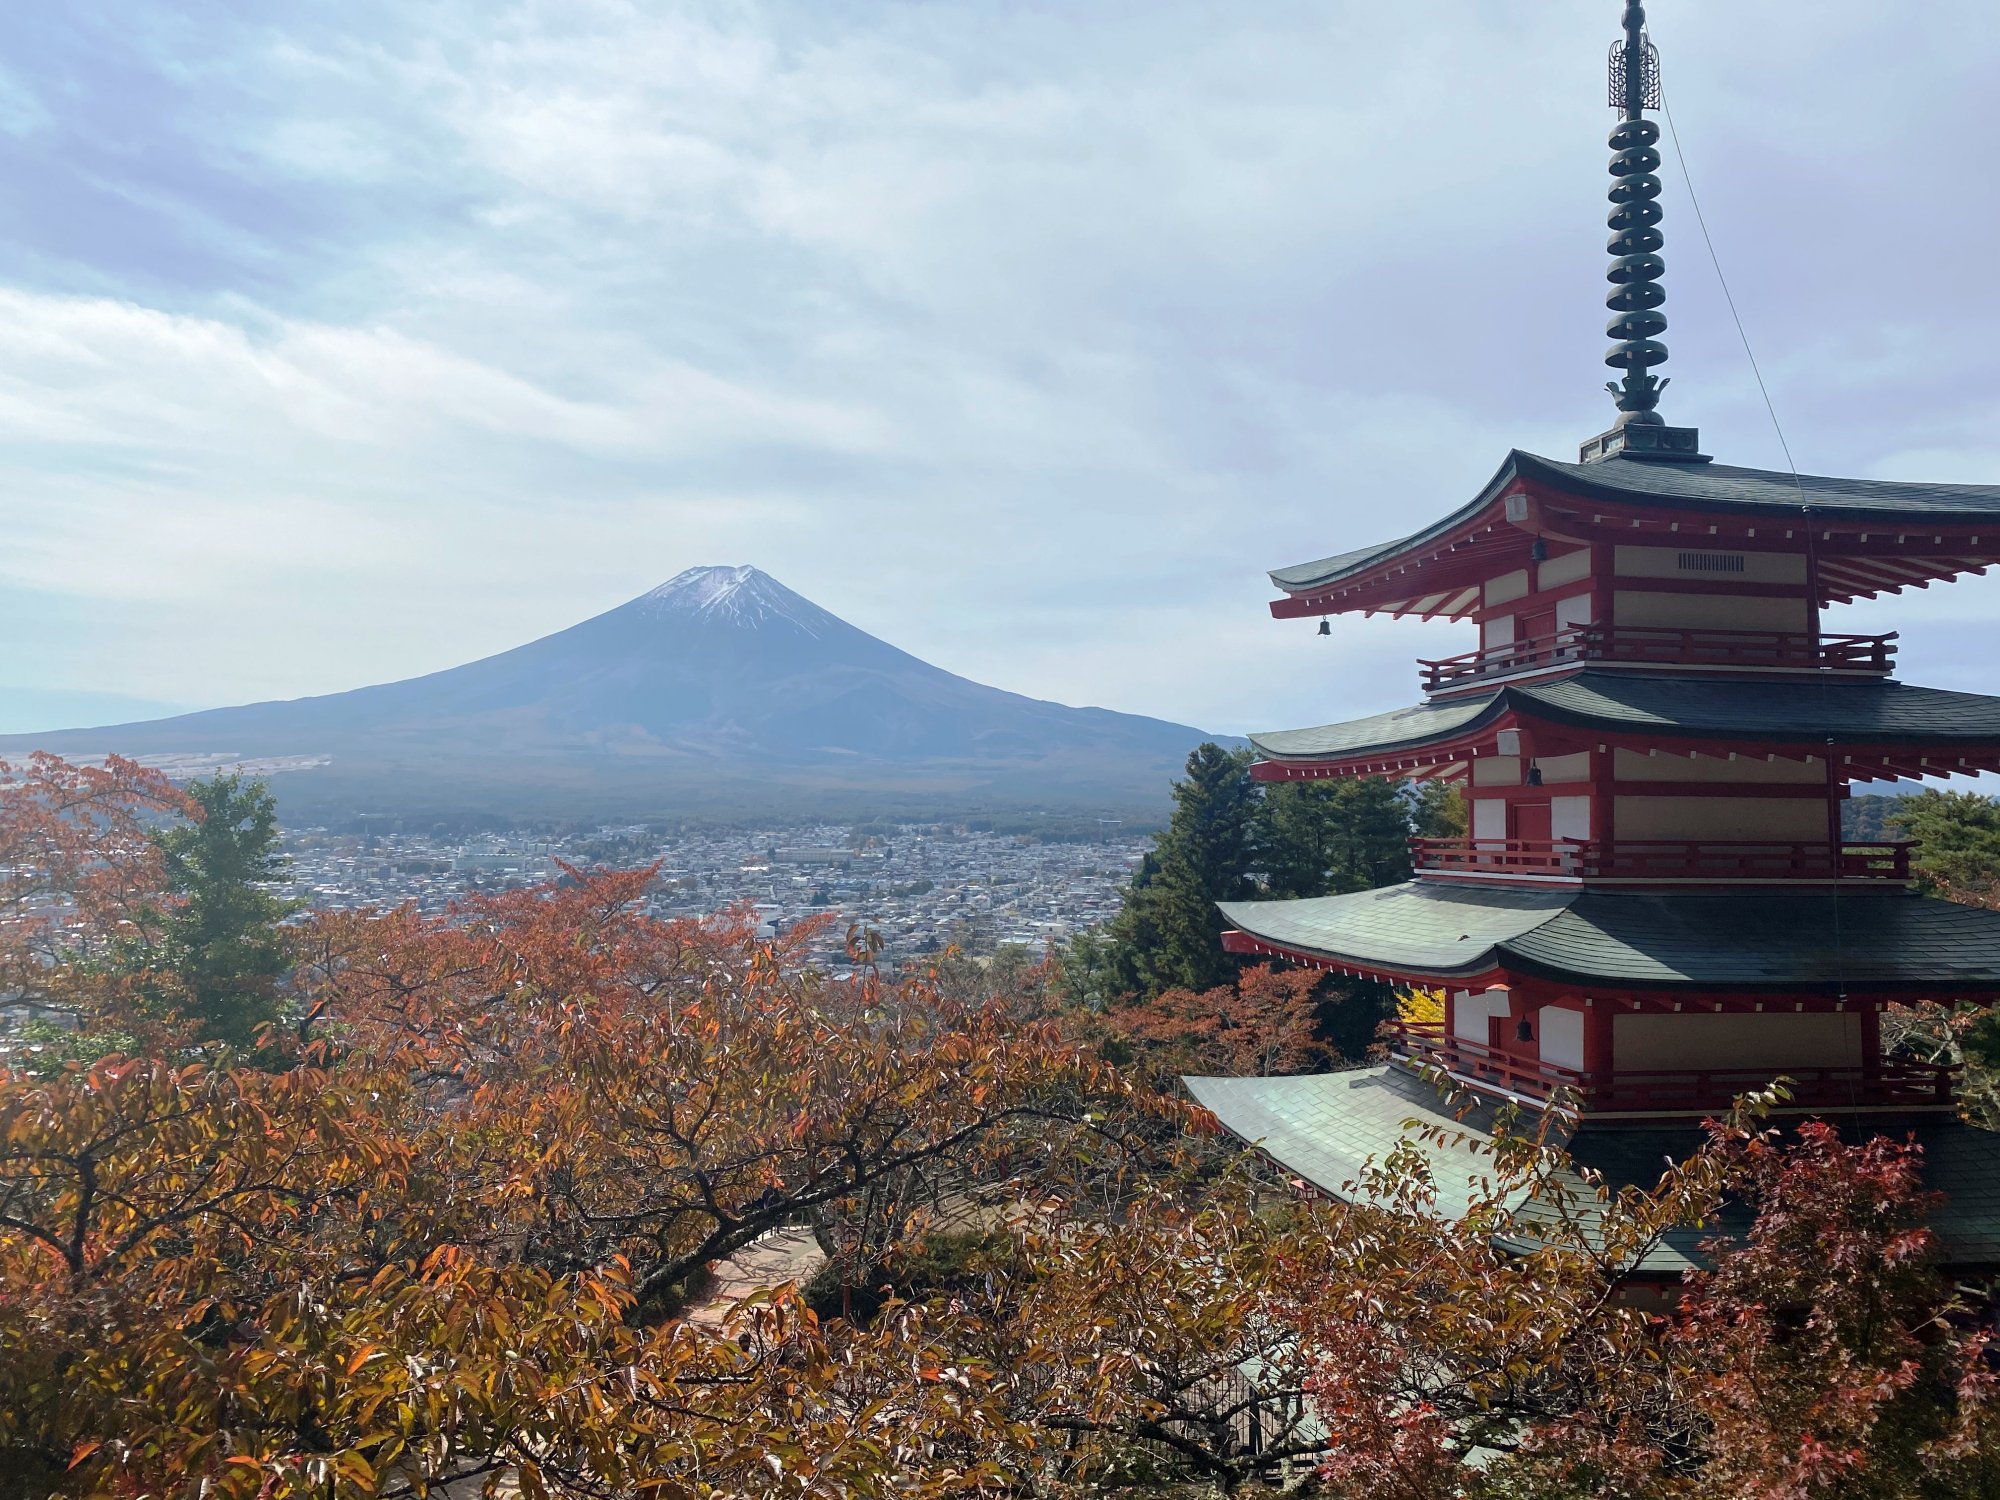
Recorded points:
(921, 887)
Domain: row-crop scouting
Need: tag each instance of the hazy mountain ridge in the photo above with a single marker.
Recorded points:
(718, 675)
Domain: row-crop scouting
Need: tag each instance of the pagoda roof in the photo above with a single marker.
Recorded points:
(1857, 712)
(1745, 939)
(1716, 488)
(1325, 1127)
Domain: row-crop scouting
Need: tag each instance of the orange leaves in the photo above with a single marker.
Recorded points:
(452, 1239)
(77, 869)
(1264, 1024)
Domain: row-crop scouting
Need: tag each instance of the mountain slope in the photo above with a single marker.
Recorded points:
(721, 677)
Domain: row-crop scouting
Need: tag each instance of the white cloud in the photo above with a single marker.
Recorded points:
(1027, 336)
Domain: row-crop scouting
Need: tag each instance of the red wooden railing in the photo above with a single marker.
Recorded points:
(1500, 856)
(1425, 1044)
(1653, 859)
(1747, 649)
(1894, 1082)
(1530, 655)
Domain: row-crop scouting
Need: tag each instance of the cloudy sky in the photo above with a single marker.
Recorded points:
(345, 341)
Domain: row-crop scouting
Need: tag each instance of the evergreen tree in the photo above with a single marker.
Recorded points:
(221, 945)
(1373, 834)
(1438, 810)
(1297, 838)
(1168, 935)
(1328, 837)
(1958, 839)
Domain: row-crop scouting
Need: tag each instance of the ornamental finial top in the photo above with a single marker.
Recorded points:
(1636, 268)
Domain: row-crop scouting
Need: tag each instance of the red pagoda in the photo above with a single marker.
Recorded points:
(1655, 909)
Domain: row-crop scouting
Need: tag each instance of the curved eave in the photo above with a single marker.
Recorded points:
(1877, 537)
(1467, 536)
(1248, 945)
(1459, 725)
(1416, 932)
(1943, 733)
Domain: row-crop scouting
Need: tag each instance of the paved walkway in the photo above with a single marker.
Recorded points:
(780, 1257)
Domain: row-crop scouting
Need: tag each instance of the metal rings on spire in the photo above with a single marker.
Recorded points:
(1636, 266)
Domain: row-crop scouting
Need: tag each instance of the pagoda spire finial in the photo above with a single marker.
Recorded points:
(1636, 267)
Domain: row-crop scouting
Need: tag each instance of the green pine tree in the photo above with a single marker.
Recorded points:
(1325, 838)
(222, 945)
(1169, 934)
(1958, 843)
(1438, 810)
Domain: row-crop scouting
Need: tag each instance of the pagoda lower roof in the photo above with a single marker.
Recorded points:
(1325, 1128)
(1693, 487)
(1855, 712)
(1745, 939)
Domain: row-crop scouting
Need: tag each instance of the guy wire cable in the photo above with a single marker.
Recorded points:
(1812, 554)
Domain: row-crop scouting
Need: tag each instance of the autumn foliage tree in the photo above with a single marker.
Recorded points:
(1394, 1346)
(79, 868)
(453, 1236)
(139, 906)
(1265, 1023)
(454, 1222)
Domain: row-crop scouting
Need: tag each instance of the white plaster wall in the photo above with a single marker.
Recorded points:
(1709, 612)
(1569, 817)
(1789, 820)
(1568, 568)
(1560, 768)
(1489, 818)
(1507, 588)
(1774, 1040)
(1471, 1010)
(1636, 765)
(1497, 770)
(1577, 609)
(1498, 631)
(1665, 562)
(1561, 1033)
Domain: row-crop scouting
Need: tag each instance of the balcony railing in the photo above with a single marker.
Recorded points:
(1500, 856)
(1693, 859)
(1893, 1083)
(1425, 1044)
(1747, 650)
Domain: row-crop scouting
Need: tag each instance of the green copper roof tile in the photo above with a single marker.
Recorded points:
(1813, 939)
(1857, 713)
(1724, 486)
(1401, 728)
(1749, 939)
(1325, 1127)
(1441, 929)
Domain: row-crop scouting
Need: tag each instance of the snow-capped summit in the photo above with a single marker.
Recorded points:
(744, 595)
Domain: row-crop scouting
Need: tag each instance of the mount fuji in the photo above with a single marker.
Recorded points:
(721, 691)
